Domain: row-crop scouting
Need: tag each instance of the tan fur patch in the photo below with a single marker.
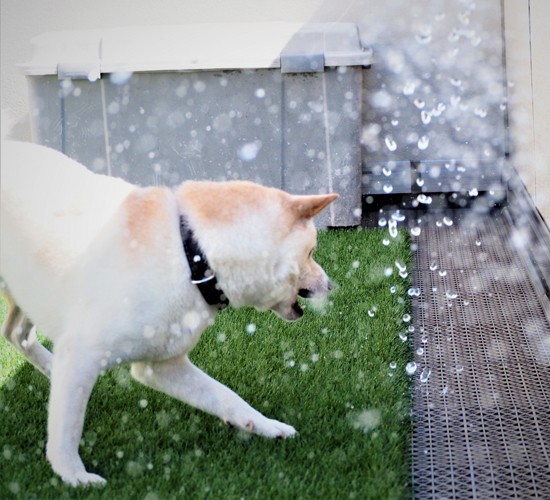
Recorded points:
(215, 203)
(147, 217)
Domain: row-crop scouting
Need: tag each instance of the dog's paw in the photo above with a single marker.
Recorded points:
(274, 429)
(83, 479)
(264, 427)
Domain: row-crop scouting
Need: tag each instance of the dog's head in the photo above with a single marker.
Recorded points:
(259, 241)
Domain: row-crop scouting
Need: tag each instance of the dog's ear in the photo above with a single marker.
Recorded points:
(308, 206)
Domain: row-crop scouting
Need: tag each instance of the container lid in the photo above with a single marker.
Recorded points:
(290, 46)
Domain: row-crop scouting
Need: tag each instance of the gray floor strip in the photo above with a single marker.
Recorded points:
(482, 347)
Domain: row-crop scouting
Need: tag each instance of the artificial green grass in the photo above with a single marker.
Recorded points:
(328, 375)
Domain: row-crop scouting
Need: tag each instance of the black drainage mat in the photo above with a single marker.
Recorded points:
(482, 349)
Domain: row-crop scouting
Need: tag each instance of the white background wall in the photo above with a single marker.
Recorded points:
(528, 56)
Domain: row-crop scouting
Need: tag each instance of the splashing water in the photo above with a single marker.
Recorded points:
(249, 151)
(400, 265)
(392, 227)
(398, 216)
(425, 375)
(423, 142)
(426, 117)
(390, 143)
(410, 368)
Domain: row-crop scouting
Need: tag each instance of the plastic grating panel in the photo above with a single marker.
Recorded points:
(482, 347)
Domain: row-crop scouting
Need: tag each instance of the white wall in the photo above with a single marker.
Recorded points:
(527, 51)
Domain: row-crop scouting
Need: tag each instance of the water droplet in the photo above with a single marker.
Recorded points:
(455, 100)
(400, 265)
(199, 86)
(459, 368)
(426, 117)
(478, 243)
(422, 198)
(419, 103)
(425, 375)
(403, 274)
(410, 368)
(390, 143)
(420, 351)
(249, 151)
(442, 273)
(393, 365)
(481, 112)
(451, 295)
(473, 192)
(398, 216)
(251, 328)
(395, 122)
(386, 171)
(382, 221)
(370, 312)
(423, 142)
(455, 82)
(409, 88)
(403, 336)
(387, 188)
(415, 231)
(393, 289)
(424, 38)
(388, 272)
(447, 221)
(260, 93)
(392, 227)
(385, 242)
(406, 318)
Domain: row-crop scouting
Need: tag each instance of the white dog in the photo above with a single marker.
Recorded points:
(114, 273)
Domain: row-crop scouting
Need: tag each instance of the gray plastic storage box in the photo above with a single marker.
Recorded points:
(275, 103)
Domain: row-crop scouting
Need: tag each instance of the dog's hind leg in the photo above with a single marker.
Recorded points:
(181, 379)
(20, 332)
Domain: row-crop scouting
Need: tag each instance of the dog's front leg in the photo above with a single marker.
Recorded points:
(181, 379)
(74, 372)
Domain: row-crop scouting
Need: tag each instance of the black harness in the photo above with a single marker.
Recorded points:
(201, 274)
